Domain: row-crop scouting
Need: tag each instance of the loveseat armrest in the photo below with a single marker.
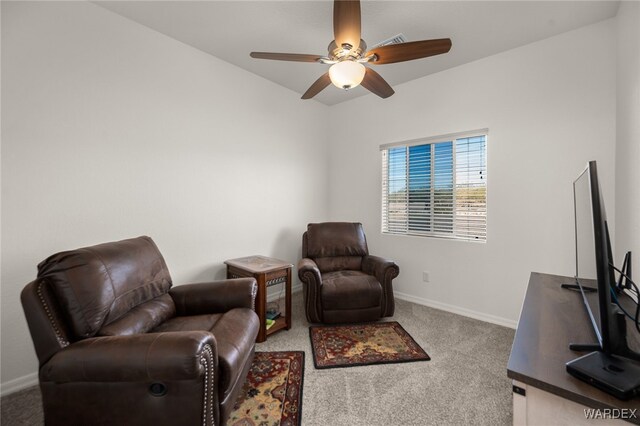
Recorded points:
(148, 357)
(385, 271)
(310, 276)
(214, 297)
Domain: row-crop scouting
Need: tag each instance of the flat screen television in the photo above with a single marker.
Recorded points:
(593, 251)
(610, 366)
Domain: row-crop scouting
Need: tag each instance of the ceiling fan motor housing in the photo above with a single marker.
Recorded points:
(341, 53)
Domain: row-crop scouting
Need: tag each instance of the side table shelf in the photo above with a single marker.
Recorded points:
(268, 272)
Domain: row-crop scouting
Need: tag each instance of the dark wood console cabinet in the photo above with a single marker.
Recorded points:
(551, 318)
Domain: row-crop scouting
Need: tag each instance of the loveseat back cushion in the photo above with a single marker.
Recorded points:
(332, 239)
(143, 318)
(99, 284)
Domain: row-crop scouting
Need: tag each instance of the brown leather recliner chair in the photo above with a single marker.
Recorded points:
(117, 345)
(341, 281)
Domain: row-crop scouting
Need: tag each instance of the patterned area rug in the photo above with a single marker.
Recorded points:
(363, 344)
(272, 394)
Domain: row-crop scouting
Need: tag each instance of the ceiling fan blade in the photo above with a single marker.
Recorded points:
(296, 57)
(317, 86)
(346, 22)
(376, 84)
(409, 51)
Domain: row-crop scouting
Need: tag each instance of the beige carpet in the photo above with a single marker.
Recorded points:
(464, 383)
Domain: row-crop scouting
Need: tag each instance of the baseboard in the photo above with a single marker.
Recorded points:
(456, 310)
(20, 383)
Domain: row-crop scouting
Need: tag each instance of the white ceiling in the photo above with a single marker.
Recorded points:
(230, 30)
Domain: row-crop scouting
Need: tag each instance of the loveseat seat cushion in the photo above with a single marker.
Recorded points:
(99, 284)
(350, 290)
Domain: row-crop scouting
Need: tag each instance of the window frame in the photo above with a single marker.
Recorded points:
(432, 141)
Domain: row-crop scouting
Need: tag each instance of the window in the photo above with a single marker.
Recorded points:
(436, 187)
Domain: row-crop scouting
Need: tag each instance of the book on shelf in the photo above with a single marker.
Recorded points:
(270, 323)
(272, 315)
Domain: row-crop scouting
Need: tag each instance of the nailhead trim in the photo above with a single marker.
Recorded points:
(254, 293)
(61, 340)
(206, 359)
(310, 281)
(389, 275)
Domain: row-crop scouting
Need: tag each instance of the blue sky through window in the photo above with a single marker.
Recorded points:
(397, 169)
(470, 152)
(419, 167)
(443, 168)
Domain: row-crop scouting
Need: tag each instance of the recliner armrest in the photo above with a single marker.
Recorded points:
(385, 271)
(308, 272)
(139, 357)
(214, 297)
(382, 269)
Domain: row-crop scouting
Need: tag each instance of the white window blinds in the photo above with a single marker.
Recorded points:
(437, 188)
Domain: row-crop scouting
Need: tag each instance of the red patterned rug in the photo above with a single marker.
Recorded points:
(272, 394)
(363, 344)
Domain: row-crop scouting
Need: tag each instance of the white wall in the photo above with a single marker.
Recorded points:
(628, 134)
(111, 130)
(549, 107)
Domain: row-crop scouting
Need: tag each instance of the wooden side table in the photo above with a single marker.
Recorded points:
(267, 271)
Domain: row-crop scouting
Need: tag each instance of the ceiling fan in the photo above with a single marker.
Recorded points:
(348, 53)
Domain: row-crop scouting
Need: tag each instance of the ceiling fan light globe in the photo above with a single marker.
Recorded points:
(347, 74)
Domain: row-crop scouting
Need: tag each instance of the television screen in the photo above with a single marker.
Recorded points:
(585, 241)
(586, 271)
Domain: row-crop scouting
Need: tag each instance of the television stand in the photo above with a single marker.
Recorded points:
(544, 392)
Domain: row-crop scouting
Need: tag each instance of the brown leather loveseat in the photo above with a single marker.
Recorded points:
(341, 281)
(117, 345)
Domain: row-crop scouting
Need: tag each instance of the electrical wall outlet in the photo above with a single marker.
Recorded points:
(425, 276)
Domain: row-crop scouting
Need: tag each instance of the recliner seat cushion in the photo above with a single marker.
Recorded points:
(350, 290)
(97, 285)
(233, 330)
